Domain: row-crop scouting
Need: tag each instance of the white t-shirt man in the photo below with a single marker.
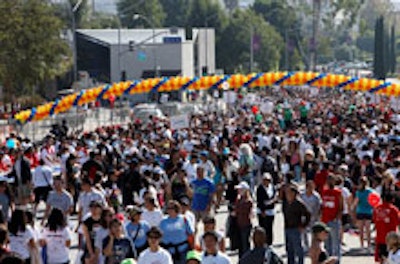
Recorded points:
(161, 256)
(85, 198)
(57, 251)
(152, 217)
(220, 258)
(42, 176)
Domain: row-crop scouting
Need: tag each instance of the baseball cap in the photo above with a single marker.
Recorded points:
(133, 210)
(266, 176)
(319, 227)
(193, 255)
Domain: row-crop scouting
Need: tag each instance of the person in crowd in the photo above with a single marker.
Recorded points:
(193, 257)
(130, 181)
(59, 198)
(243, 213)
(117, 247)
(21, 236)
(313, 201)
(94, 165)
(151, 213)
(332, 210)
(6, 199)
(4, 238)
(318, 254)
(179, 186)
(211, 254)
(262, 252)
(363, 211)
(90, 226)
(22, 175)
(246, 162)
(178, 234)
(107, 214)
(187, 213)
(386, 219)
(347, 201)
(56, 236)
(203, 194)
(136, 229)
(42, 180)
(267, 197)
(210, 225)
(296, 218)
(86, 197)
(155, 253)
(393, 247)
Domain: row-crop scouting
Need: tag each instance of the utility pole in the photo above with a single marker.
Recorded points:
(286, 50)
(251, 48)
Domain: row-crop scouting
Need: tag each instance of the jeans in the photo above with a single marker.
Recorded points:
(333, 243)
(267, 222)
(294, 249)
(244, 240)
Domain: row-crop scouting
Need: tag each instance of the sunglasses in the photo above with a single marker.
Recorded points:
(153, 237)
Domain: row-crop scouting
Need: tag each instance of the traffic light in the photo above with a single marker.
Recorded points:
(132, 45)
(204, 71)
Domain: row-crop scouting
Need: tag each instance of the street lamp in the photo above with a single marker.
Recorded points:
(206, 38)
(155, 55)
(73, 10)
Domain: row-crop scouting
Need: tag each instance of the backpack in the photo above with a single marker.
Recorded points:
(271, 257)
(268, 165)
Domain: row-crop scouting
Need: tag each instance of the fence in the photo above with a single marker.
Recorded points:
(77, 120)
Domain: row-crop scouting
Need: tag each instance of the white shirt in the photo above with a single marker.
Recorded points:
(220, 258)
(189, 215)
(393, 257)
(152, 217)
(345, 194)
(42, 176)
(48, 155)
(19, 243)
(161, 256)
(85, 198)
(57, 251)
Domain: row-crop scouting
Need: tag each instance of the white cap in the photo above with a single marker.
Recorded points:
(243, 185)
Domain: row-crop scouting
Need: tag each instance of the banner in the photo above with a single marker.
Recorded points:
(179, 122)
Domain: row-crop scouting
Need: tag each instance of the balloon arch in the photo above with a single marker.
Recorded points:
(169, 84)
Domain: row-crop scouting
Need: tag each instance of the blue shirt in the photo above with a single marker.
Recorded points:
(363, 207)
(202, 192)
(132, 230)
(175, 231)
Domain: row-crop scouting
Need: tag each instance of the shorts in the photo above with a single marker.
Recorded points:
(380, 251)
(364, 217)
(346, 219)
(41, 193)
(24, 192)
(200, 215)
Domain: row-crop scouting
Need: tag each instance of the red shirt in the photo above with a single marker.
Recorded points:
(330, 204)
(320, 179)
(386, 219)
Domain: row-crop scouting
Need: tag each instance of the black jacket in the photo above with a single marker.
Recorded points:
(263, 199)
(26, 174)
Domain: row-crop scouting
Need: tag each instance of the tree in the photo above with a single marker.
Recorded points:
(235, 40)
(379, 50)
(151, 9)
(101, 20)
(284, 19)
(177, 12)
(32, 50)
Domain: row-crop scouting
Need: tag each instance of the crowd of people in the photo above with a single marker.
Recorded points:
(145, 193)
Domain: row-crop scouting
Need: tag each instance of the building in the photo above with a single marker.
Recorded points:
(112, 55)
